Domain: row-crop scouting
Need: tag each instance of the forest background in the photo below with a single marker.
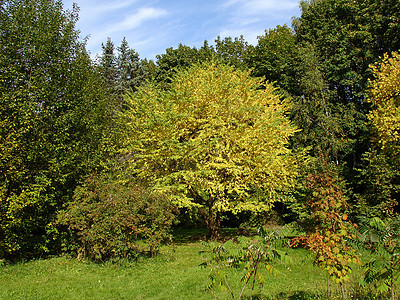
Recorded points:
(90, 163)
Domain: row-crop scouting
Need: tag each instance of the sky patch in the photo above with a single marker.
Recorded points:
(152, 26)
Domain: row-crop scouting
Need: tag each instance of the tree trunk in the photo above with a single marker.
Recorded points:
(207, 213)
(213, 225)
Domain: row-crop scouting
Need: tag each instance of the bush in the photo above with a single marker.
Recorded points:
(110, 219)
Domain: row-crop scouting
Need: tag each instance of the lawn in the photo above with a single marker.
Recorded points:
(174, 274)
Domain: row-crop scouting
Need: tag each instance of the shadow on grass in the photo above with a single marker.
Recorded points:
(299, 295)
(295, 295)
(187, 235)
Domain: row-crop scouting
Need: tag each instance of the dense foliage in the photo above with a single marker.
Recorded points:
(111, 219)
(380, 182)
(52, 117)
(215, 138)
(220, 131)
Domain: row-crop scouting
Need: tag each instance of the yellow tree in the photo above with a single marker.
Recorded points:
(216, 140)
(385, 98)
(381, 174)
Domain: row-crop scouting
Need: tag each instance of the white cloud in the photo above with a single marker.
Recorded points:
(113, 5)
(258, 7)
(130, 25)
(247, 17)
(151, 26)
(248, 34)
(135, 20)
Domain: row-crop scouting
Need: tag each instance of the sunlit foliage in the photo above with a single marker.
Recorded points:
(217, 139)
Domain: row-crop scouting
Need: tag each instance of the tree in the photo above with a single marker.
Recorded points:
(149, 69)
(346, 37)
(326, 227)
(108, 63)
(274, 56)
(174, 60)
(52, 120)
(130, 73)
(328, 128)
(121, 69)
(215, 138)
(232, 52)
(349, 36)
(381, 173)
(384, 95)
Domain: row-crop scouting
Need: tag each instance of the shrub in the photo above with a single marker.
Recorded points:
(327, 227)
(110, 219)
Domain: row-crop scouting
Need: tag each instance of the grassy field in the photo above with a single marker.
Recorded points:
(174, 274)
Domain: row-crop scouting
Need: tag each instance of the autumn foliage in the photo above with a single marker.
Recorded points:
(327, 227)
(217, 140)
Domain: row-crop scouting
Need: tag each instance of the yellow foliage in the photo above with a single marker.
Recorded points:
(217, 135)
(384, 94)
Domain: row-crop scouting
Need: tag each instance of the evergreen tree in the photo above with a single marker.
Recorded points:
(108, 63)
(129, 69)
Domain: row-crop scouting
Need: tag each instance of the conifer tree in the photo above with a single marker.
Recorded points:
(129, 69)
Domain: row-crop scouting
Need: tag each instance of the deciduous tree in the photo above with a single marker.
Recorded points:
(215, 138)
(52, 116)
(380, 192)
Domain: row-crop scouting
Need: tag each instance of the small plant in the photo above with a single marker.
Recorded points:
(251, 256)
(382, 239)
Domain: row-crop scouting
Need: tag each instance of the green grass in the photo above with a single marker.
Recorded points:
(174, 274)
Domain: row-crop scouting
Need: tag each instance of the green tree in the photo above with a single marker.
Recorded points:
(108, 63)
(215, 138)
(52, 116)
(232, 51)
(173, 60)
(130, 73)
(122, 70)
(149, 68)
(346, 37)
(349, 36)
(274, 56)
(328, 128)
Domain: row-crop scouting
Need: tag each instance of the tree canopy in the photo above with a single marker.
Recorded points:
(385, 98)
(52, 117)
(217, 138)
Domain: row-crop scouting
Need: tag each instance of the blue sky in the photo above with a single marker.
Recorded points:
(152, 26)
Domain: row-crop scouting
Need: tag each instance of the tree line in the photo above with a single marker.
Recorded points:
(99, 154)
